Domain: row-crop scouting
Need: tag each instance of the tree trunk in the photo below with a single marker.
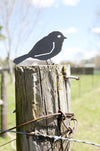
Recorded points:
(11, 70)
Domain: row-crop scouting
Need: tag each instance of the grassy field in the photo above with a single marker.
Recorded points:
(85, 95)
(10, 115)
(85, 103)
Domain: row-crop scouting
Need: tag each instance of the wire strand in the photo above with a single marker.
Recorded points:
(55, 138)
(7, 143)
(34, 120)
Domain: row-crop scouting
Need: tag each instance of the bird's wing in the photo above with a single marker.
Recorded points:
(46, 53)
(42, 47)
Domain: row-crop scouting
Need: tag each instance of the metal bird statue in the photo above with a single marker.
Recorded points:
(46, 48)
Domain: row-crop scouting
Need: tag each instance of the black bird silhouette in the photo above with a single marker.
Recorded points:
(46, 48)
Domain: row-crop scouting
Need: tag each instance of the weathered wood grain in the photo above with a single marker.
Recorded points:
(41, 90)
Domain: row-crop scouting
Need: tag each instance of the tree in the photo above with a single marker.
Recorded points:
(2, 37)
(18, 18)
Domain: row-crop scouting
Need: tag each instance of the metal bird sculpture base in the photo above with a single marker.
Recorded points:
(45, 49)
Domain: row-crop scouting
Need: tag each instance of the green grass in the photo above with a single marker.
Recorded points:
(86, 84)
(10, 115)
(97, 72)
(85, 103)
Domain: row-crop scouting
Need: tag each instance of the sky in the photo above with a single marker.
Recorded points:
(76, 19)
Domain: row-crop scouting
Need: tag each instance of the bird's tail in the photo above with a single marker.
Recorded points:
(20, 59)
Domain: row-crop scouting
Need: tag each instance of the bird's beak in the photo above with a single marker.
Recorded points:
(65, 37)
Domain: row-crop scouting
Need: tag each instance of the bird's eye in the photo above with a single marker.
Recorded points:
(58, 36)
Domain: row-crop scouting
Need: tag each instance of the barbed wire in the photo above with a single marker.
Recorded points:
(60, 114)
(54, 138)
(57, 138)
(69, 115)
(37, 134)
(32, 121)
(14, 132)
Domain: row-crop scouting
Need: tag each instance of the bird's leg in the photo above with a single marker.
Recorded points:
(47, 62)
(51, 62)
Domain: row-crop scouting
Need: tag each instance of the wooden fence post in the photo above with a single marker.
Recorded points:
(41, 90)
(68, 89)
(4, 99)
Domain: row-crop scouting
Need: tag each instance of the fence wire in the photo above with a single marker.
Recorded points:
(54, 138)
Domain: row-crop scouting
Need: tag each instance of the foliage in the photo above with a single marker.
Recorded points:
(2, 37)
(18, 18)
